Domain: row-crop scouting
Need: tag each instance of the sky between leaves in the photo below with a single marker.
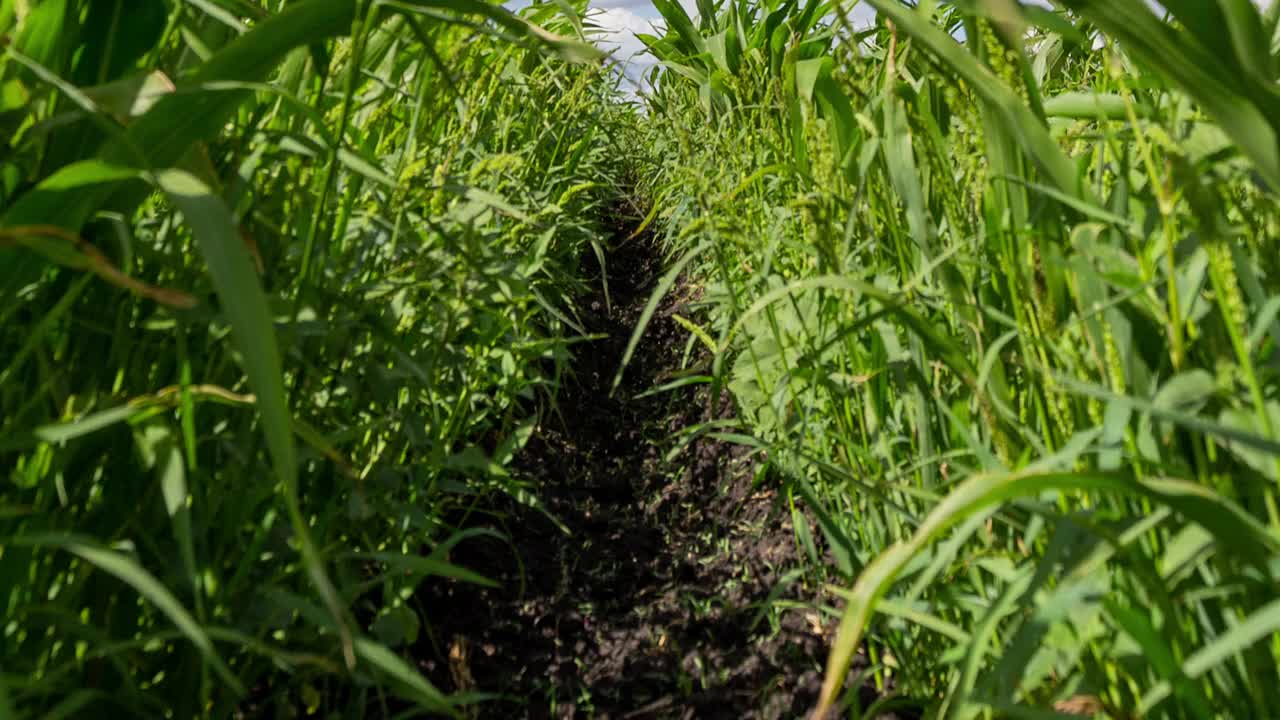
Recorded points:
(620, 20)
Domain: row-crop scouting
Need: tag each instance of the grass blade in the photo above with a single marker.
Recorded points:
(234, 277)
(129, 571)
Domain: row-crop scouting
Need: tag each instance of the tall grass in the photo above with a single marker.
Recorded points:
(1002, 310)
(283, 288)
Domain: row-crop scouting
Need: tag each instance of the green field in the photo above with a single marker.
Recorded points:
(973, 315)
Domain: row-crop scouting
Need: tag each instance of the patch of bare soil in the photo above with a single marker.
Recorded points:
(656, 603)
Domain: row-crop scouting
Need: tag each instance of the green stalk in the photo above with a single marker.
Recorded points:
(1231, 305)
(358, 39)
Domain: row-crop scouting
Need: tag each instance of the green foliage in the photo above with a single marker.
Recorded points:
(1002, 310)
(284, 287)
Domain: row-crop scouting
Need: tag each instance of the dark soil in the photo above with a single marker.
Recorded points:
(657, 602)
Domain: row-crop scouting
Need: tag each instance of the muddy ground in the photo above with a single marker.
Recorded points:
(659, 601)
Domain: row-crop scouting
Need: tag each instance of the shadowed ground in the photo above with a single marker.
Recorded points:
(656, 602)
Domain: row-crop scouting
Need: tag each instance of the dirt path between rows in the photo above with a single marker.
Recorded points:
(656, 602)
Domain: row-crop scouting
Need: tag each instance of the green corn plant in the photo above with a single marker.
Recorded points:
(248, 375)
(1012, 265)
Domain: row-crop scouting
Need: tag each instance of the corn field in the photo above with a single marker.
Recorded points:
(288, 288)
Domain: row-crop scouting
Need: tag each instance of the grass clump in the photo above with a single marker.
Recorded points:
(998, 302)
(284, 286)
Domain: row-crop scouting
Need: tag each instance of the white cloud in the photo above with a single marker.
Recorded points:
(615, 33)
(862, 14)
(617, 28)
(645, 5)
